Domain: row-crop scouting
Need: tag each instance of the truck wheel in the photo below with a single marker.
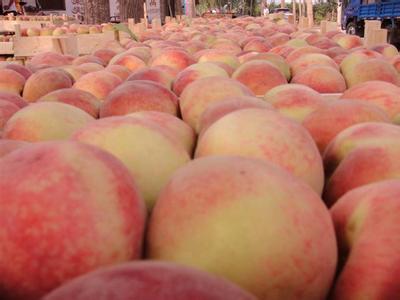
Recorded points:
(351, 28)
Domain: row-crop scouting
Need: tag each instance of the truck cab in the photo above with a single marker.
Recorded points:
(355, 12)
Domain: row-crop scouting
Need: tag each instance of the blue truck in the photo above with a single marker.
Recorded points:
(355, 12)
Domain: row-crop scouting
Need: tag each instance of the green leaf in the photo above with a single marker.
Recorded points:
(124, 28)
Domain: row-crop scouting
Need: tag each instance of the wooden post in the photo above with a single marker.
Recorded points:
(323, 26)
(294, 11)
(370, 26)
(146, 21)
(379, 36)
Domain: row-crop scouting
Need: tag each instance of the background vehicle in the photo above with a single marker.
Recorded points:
(355, 12)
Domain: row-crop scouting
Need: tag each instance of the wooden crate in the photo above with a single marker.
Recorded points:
(6, 48)
(88, 43)
(32, 45)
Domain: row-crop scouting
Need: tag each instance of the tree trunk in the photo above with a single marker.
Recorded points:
(283, 4)
(310, 14)
(97, 11)
(294, 10)
(131, 9)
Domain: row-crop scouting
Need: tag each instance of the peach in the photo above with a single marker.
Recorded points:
(297, 53)
(45, 121)
(59, 31)
(217, 110)
(44, 82)
(13, 98)
(87, 59)
(32, 31)
(372, 69)
(132, 62)
(250, 134)
(214, 55)
(383, 94)
(361, 166)
(150, 280)
(327, 121)
(259, 76)
(105, 55)
(352, 59)
(99, 83)
(349, 41)
(78, 98)
(297, 43)
(387, 50)
(138, 95)
(312, 59)
(176, 127)
(65, 191)
(8, 146)
(7, 110)
(11, 81)
(22, 70)
(75, 72)
(177, 59)
(203, 92)
(121, 71)
(51, 59)
(356, 136)
(82, 29)
(282, 219)
(366, 223)
(156, 153)
(194, 72)
(277, 60)
(323, 79)
(144, 53)
(294, 101)
(153, 74)
(91, 67)
(258, 46)
(46, 31)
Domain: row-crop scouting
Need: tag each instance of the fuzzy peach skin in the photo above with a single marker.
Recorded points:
(387, 50)
(215, 55)
(299, 52)
(13, 98)
(105, 55)
(327, 121)
(349, 41)
(22, 70)
(217, 110)
(182, 131)
(99, 83)
(395, 61)
(122, 72)
(149, 152)
(7, 146)
(45, 81)
(383, 94)
(45, 121)
(149, 280)
(203, 92)
(87, 59)
(352, 59)
(295, 101)
(358, 136)
(367, 228)
(132, 62)
(177, 59)
(267, 135)
(372, 69)
(259, 76)
(310, 60)
(7, 110)
(322, 79)
(139, 95)
(276, 60)
(153, 74)
(194, 72)
(78, 98)
(11, 81)
(90, 67)
(280, 254)
(51, 59)
(66, 209)
(362, 166)
(75, 72)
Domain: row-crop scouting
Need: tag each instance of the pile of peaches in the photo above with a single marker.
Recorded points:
(208, 160)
